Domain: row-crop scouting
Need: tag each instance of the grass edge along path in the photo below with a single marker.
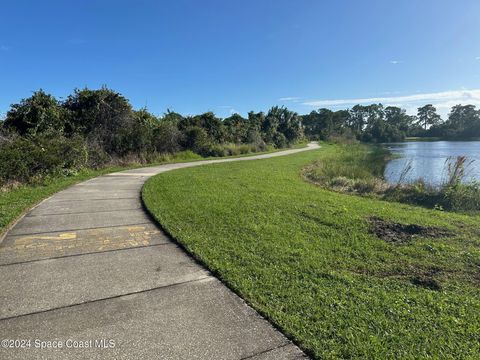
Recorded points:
(14, 203)
(304, 257)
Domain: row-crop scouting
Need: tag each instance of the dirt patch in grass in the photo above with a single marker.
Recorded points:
(396, 233)
(428, 278)
(426, 282)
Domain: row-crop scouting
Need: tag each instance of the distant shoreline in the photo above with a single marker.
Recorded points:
(417, 138)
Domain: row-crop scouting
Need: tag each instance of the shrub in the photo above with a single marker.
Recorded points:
(97, 156)
(347, 138)
(217, 151)
(186, 155)
(167, 138)
(196, 139)
(280, 140)
(39, 113)
(103, 115)
(462, 197)
(26, 159)
(255, 138)
(246, 149)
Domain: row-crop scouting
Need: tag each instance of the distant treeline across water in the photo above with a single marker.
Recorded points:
(41, 135)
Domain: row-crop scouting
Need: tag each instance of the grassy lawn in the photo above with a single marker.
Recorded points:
(13, 203)
(305, 258)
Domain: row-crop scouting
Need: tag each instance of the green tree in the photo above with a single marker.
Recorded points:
(172, 117)
(197, 139)
(255, 121)
(463, 117)
(283, 121)
(140, 134)
(270, 125)
(103, 115)
(212, 125)
(236, 128)
(397, 117)
(358, 118)
(167, 137)
(427, 116)
(39, 113)
(255, 135)
(319, 124)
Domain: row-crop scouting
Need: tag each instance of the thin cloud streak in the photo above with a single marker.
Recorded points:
(458, 96)
(290, 98)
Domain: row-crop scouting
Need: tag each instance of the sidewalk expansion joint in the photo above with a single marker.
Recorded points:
(88, 228)
(83, 212)
(88, 253)
(265, 351)
(97, 199)
(201, 278)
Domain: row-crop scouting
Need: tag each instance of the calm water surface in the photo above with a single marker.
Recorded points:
(428, 160)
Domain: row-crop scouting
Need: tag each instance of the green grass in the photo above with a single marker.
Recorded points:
(14, 202)
(355, 161)
(304, 257)
(359, 169)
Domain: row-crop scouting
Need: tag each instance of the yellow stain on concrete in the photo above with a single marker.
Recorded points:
(92, 240)
(60, 237)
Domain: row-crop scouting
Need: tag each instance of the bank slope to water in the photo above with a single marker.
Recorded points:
(305, 257)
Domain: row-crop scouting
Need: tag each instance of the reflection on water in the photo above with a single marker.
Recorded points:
(428, 160)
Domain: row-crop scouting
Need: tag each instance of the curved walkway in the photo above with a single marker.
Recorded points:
(87, 266)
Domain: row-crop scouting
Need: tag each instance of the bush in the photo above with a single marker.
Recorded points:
(103, 115)
(186, 155)
(217, 151)
(196, 139)
(167, 138)
(346, 137)
(280, 140)
(462, 197)
(255, 138)
(97, 156)
(39, 113)
(246, 149)
(27, 159)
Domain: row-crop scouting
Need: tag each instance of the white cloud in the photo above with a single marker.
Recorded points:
(443, 100)
(477, 58)
(289, 98)
(456, 95)
(395, 62)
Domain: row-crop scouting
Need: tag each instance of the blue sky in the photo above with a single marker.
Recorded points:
(225, 56)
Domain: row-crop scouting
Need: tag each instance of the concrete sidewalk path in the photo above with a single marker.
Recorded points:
(87, 275)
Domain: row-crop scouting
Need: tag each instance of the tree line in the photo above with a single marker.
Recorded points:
(377, 123)
(42, 135)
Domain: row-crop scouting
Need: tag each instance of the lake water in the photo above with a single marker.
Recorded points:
(428, 159)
